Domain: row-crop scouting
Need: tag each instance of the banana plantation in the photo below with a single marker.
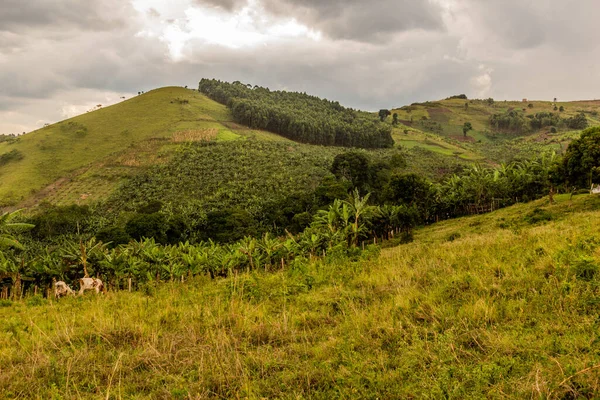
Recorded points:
(342, 230)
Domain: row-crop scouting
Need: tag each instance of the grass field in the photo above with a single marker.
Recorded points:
(436, 144)
(503, 305)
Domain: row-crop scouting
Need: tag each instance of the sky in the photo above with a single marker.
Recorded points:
(60, 58)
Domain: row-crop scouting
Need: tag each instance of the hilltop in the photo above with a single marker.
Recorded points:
(84, 159)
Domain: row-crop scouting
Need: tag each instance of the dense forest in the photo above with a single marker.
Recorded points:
(298, 116)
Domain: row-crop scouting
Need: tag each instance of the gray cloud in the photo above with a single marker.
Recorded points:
(224, 4)
(521, 25)
(19, 16)
(360, 20)
(351, 19)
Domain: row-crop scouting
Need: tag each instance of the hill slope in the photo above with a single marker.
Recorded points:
(438, 126)
(494, 306)
(124, 135)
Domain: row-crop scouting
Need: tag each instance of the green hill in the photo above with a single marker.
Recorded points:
(438, 126)
(84, 157)
(503, 305)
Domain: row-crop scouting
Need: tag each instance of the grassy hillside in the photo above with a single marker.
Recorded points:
(91, 152)
(503, 305)
(437, 126)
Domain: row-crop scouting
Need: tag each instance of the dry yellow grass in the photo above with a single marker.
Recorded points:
(195, 135)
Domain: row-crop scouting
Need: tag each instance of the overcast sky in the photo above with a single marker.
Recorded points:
(59, 58)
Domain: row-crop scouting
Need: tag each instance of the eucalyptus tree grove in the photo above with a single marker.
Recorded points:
(298, 116)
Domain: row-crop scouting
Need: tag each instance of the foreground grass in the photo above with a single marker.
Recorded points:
(494, 306)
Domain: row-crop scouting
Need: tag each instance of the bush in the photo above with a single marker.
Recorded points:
(577, 122)
(538, 215)
(13, 155)
(458, 96)
(553, 129)
(113, 235)
(453, 236)
(35, 301)
(585, 269)
(58, 220)
(147, 226)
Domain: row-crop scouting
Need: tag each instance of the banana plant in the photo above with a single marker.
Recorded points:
(270, 247)
(360, 211)
(9, 228)
(249, 247)
(81, 253)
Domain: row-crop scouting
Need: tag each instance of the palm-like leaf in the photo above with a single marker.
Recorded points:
(9, 228)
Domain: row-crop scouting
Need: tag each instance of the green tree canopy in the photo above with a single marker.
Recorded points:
(467, 127)
(581, 163)
(383, 114)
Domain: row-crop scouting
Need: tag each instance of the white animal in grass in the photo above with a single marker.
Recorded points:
(61, 289)
(90, 284)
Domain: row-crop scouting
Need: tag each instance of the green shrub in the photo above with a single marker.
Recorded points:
(13, 155)
(538, 215)
(585, 269)
(5, 303)
(113, 235)
(147, 226)
(453, 236)
(406, 237)
(35, 301)
(53, 220)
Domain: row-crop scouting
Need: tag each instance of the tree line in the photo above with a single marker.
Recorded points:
(516, 122)
(298, 116)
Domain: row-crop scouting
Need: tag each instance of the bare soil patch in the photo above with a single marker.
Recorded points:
(461, 138)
